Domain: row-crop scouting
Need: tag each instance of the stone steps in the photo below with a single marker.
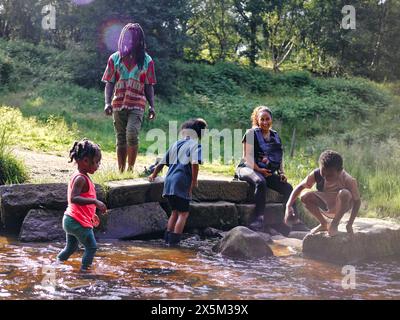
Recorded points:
(216, 203)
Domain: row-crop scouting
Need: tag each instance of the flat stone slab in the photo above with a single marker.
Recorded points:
(42, 225)
(17, 200)
(372, 239)
(271, 196)
(273, 213)
(132, 221)
(221, 190)
(136, 191)
(221, 215)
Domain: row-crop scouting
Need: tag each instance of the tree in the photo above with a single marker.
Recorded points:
(248, 24)
(212, 29)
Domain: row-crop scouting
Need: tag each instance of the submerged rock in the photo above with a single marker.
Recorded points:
(42, 225)
(243, 243)
(298, 234)
(212, 233)
(372, 239)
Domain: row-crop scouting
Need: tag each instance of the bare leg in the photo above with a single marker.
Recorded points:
(343, 204)
(180, 223)
(121, 155)
(172, 221)
(313, 204)
(132, 154)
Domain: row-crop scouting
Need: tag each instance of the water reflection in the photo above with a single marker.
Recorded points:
(148, 270)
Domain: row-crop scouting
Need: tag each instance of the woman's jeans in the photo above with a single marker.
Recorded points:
(260, 184)
(75, 234)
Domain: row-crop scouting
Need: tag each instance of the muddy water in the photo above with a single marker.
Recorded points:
(148, 270)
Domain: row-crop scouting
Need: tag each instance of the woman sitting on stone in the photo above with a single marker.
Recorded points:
(262, 167)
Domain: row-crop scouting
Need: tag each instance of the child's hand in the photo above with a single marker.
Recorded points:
(101, 206)
(152, 177)
(349, 228)
(264, 160)
(289, 214)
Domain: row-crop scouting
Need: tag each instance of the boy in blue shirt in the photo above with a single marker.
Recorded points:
(183, 160)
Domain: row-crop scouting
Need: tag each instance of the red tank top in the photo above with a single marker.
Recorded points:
(82, 213)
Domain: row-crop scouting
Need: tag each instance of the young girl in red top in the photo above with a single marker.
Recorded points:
(80, 217)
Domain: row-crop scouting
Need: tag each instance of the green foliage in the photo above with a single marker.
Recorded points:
(6, 69)
(12, 170)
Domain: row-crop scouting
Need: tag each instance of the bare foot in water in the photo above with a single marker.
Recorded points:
(319, 228)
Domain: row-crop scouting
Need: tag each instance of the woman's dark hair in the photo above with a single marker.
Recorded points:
(196, 125)
(82, 149)
(331, 159)
(135, 32)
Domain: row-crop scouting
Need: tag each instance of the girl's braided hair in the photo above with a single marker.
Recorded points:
(135, 32)
(82, 149)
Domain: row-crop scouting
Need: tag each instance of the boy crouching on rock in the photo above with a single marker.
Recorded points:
(337, 192)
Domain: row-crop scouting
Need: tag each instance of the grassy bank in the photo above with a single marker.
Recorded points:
(354, 116)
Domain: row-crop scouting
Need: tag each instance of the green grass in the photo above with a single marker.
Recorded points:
(11, 169)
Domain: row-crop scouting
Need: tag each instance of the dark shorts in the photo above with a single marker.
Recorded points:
(178, 203)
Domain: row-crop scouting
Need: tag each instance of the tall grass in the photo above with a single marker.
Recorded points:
(12, 170)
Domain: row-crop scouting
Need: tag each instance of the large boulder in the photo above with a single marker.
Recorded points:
(42, 225)
(242, 243)
(372, 239)
(221, 215)
(17, 200)
(132, 221)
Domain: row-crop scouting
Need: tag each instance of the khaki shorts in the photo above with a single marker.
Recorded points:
(127, 124)
(329, 202)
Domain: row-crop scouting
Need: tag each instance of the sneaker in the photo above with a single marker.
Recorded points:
(174, 239)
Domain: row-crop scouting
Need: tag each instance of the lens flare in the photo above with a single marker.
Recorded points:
(110, 32)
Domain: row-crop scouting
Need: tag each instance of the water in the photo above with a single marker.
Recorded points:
(148, 270)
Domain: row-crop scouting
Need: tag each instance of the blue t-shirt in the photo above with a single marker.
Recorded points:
(179, 158)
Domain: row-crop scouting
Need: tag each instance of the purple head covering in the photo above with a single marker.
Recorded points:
(131, 40)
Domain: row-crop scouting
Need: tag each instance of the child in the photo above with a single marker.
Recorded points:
(183, 160)
(82, 203)
(337, 192)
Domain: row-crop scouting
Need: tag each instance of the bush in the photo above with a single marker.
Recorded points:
(11, 170)
(5, 70)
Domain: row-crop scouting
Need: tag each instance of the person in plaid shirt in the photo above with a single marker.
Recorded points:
(129, 78)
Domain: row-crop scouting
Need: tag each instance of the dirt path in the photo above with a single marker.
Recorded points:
(52, 167)
(47, 167)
